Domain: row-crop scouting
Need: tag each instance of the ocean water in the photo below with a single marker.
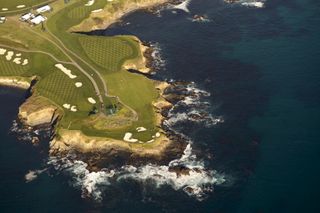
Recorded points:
(258, 72)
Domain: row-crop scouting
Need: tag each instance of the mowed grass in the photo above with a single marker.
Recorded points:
(8, 68)
(54, 84)
(108, 52)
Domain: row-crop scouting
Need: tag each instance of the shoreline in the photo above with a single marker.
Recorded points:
(16, 82)
(108, 18)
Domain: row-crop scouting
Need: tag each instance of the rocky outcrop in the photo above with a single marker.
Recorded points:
(112, 12)
(74, 140)
(37, 111)
(19, 82)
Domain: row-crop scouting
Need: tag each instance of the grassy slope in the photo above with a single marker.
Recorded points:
(133, 90)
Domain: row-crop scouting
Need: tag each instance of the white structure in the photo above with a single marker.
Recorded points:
(27, 17)
(38, 19)
(2, 19)
(43, 9)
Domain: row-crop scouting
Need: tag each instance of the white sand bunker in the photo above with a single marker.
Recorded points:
(9, 55)
(4, 9)
(65, 71)
(66, 106)
(150, 141)
(91, 100)
(17, 60)
(73, 109)
(18, 54)
(21, 6)
(110, 0)
(25, 62)
(96, 11)
(128, 138)
(2, 51)
(157, 135)
(90, 3)
(141, 129)
(78, 84)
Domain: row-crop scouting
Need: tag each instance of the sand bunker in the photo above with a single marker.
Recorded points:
(158, 134)
(9, 55)
(21, 6)
(128, 138)
(150, 141)
(65, 71)
(73, 109)
(78, 84)
(2, 51)
(96, 11)
(25, 62)
(67, 106)
(90, 3)
(18, 54)
(17, 60)
(4, 9)
(141, 129)
(91, 100)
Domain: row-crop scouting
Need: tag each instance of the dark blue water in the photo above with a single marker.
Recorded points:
(261, 67)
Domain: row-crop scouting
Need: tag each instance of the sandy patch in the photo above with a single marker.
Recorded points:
(158, 134)
(25, 62)
(9, 55)
(141, 129)
(150, 141)
(90, 3)
(67, 106)
(2, 51)
(4, 9)
(21, 6)
(78, 84)
(128, 138)
(73, 109)
(96, 11)
(18, 54)
(65, 71)
(17, 60)
(91, 100)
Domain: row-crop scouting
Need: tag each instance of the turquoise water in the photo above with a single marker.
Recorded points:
(261, 67)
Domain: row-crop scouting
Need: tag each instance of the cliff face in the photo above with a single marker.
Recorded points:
(38, 111)
(68, 140)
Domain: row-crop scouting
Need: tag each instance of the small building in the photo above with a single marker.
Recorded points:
(26, 17)
(43, 9)
(38, 19)
(2, 19)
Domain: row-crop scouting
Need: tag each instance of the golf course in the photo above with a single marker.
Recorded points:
(82, 77)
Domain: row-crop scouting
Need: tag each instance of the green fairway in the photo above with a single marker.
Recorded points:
(9, 68)
(107, 52)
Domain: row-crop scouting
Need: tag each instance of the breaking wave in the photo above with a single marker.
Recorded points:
(186, 173)
(192, 108)
(33, 174)
(251, 3)
(158, 63)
